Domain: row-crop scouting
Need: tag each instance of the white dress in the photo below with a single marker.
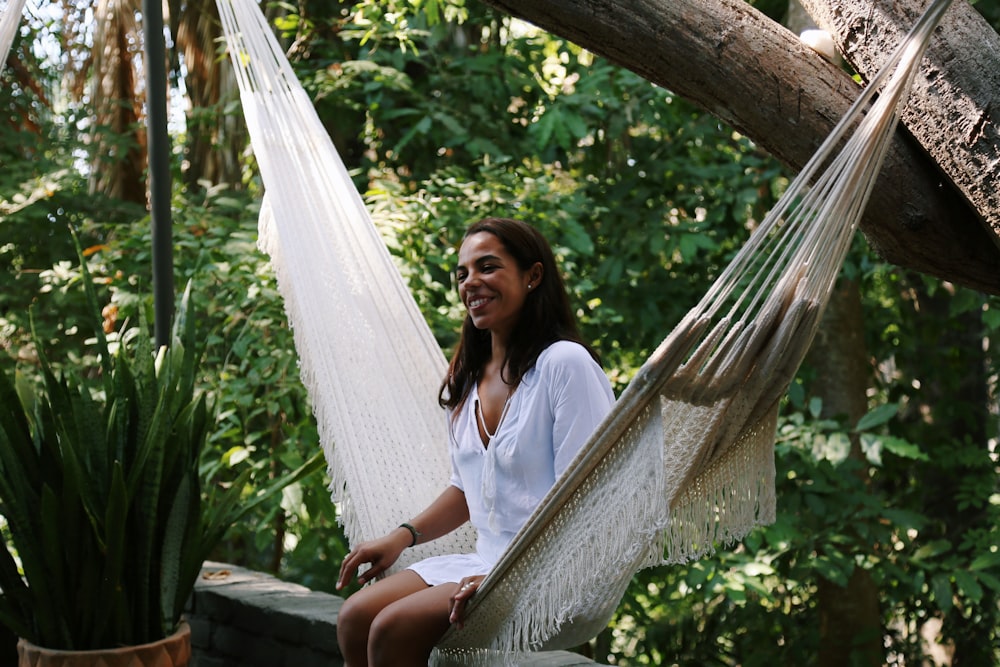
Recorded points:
(550, 416)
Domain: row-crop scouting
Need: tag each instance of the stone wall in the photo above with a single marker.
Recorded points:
(242, 618)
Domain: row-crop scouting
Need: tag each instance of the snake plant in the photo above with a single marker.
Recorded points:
(106, 523)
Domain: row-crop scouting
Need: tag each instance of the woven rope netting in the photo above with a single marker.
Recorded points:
(369, 360)
(684, 462)
(10, 17)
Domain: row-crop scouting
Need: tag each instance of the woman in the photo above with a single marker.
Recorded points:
(524, 393)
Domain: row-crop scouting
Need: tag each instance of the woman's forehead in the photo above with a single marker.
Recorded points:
(478, 245)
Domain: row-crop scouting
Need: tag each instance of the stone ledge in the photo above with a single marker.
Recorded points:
(242, 618)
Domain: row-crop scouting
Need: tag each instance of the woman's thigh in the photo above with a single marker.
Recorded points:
(368, 602)
(359, 612)
(413, 623)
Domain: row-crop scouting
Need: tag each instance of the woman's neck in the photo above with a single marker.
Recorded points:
(498, 348)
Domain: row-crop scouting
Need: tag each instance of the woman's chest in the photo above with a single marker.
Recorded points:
(521, 443)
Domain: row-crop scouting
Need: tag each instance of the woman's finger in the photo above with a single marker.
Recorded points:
(373, 571)
(466, 590)
(347, 569)
(350, 565)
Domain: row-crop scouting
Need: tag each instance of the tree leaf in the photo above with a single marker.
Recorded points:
(968, 586)
(941, 589)
(985, 561)
(903, 448)
(932, 549)
(876, 417)
(990, 581)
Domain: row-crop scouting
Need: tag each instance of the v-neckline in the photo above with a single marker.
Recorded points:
(479, 419)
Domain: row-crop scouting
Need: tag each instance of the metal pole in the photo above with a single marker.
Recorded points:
(158, 142)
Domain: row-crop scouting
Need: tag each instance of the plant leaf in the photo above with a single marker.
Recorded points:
(876, 417)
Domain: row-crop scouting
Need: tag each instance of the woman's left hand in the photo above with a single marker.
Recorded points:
(466, 588)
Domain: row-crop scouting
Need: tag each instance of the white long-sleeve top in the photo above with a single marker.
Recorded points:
(549, 417)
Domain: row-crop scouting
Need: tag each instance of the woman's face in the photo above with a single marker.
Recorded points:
(491, 284)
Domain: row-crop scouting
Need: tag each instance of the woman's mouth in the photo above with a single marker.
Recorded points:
(477, 302)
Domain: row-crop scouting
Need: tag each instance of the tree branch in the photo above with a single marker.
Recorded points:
(952, 107)
(755, 75)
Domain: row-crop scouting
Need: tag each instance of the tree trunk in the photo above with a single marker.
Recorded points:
(755, 75)
(118, 160)
(215, 138)
(850, 622)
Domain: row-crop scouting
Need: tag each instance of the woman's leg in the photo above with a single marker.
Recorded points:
(355, 618)
(405, 631)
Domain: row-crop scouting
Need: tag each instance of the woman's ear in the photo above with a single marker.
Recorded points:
(535, 274)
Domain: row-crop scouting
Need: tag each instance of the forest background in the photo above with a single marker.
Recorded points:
(885, 549)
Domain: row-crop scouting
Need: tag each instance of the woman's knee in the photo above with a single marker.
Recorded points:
(386, 628)
(402, 628)
(353, 623)
(361, 608)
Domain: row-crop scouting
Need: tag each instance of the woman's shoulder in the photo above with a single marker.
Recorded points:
(565, 352)
(569, 366)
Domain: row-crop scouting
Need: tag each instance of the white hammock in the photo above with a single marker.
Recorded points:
(10, 16)
(685, 459)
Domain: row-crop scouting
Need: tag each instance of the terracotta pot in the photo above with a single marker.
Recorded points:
(174, 651)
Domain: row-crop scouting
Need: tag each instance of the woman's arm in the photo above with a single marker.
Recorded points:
(581, 397)
(445, 514)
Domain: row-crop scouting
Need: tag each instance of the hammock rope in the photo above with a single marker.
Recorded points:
(365, 348)
(10, 17)
(684, 461)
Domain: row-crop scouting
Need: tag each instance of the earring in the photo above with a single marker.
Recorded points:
(529, 285)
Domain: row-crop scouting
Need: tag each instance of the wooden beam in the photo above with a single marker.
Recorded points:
(756, 76)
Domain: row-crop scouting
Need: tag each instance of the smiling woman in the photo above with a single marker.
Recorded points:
(492, 285)
(515, 297)
(524, 393)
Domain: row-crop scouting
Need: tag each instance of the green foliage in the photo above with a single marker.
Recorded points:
(101, 493)
(555, 135)
(262, 424)
(42, 193)
(446, 112)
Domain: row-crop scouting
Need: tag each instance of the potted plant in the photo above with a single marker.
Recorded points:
(106, 523)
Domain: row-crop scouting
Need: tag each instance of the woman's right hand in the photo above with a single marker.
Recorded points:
(445, 514)
(380, 554)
